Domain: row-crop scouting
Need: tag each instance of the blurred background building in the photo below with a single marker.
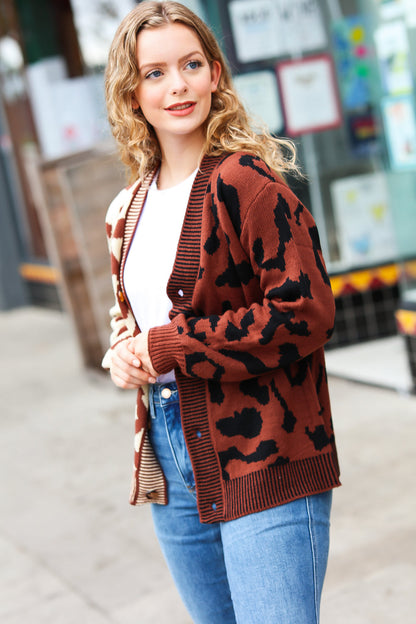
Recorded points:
(337, 76)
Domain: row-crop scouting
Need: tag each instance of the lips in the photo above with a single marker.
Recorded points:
(180, 107)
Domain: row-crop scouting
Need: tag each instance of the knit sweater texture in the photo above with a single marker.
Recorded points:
(252, 307)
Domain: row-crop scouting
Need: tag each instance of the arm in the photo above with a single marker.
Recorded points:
(293, 318)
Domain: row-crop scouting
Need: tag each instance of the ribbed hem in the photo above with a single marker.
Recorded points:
(278, 485)
(164, 347)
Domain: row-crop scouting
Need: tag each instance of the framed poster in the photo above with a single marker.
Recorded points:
(260, 96)
(267, 29)
(400, 130)
(362, 215)
(309, 94)
(254, 27)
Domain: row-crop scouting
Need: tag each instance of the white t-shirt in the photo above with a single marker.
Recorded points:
(152, 254)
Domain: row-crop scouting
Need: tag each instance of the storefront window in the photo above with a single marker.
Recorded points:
(338, 78)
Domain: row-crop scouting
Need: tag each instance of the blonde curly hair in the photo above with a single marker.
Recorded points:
(228, 126)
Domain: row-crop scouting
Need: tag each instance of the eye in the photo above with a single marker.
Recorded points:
(194, 64)
(155, 73)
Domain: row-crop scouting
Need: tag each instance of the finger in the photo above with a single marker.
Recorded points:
(125, 360)
(131, 375)
(122, 383)
(126, 382)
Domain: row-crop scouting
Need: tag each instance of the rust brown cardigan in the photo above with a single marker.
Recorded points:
(251, 310)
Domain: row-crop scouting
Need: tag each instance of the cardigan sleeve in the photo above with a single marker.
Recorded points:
(292, 317)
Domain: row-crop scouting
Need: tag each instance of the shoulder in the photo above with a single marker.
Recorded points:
(238, 167)
(245, 179)
(120, 200)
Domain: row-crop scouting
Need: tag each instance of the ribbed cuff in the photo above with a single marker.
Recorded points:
(164, 347)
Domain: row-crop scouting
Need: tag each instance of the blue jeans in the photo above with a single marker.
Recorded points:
(264, 568)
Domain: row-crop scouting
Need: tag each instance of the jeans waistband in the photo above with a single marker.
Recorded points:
(160, 394)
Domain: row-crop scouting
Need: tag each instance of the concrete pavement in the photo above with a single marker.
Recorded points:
(73, 551)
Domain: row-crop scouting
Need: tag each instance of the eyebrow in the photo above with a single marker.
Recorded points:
(161, 64)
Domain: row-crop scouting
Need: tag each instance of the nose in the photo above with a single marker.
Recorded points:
(178, 84)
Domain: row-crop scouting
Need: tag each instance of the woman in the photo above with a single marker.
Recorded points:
(223, 305)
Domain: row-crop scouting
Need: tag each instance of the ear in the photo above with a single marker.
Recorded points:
(215, 75)
(134, 103)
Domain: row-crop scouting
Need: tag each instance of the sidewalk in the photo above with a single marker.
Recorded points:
(73, 551)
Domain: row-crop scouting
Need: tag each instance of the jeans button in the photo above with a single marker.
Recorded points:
(166, 393)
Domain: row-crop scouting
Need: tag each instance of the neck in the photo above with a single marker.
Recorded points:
(178, 163)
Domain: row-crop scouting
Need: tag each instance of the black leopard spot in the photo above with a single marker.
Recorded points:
(212, 243)
(264, 450)
(320, 378)
(213, 321)
(237, 333)
(192, 323)
(319, 437)
(246, 423)
(301, 372)
(215, 392)
(252, 388)
(314, 235)
(288, 353)
(298, 212)
(289, 420)
(278, 318)
(227, 193)
(198, 357)
(258, 251)
(235, 275)
(248, 160)
(292, 290)
(253, 364)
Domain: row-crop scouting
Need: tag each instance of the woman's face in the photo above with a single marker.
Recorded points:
(175, 82)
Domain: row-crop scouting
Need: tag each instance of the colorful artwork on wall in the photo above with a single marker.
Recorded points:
(364, 224)
(352, 59)
(400, 131)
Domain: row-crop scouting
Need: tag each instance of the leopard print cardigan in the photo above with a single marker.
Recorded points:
(252, 307)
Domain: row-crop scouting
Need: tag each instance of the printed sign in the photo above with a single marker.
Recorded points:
(400, 130)
(309, 95)
(268, 29)
(259, 93)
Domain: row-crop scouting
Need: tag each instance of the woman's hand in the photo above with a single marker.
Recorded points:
(127, 370)
(140, 348)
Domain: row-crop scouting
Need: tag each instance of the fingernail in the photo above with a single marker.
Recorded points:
(152, 380)
(136, 363)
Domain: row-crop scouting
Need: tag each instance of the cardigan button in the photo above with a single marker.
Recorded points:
(121, 296)
(180, 292)
(214, 506)
(198, 434)
(151, 495)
